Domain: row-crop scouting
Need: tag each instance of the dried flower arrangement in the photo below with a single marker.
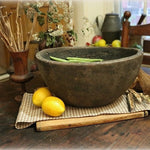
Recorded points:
(60, 25)
(14, 41)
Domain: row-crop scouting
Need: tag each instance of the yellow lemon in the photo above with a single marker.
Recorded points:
(101, 43)
(53, 106)
(39, 95)
(116, 43)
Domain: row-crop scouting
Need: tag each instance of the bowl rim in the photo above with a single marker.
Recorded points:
(38, 56)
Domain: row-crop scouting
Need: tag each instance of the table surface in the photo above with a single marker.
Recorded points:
(129, 134)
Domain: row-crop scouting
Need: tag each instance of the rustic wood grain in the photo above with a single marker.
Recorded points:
(146, 58)
(85, 121)
(129, 134)
(128, 31)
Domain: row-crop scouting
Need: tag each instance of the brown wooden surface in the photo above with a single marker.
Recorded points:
(129, 31)
(85, 121)
(146, 45)
(146, 58)
(130, 134)
(125, 31)
(140, 30)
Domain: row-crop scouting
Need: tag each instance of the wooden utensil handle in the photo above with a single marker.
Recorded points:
(141, 19)
(85, 121)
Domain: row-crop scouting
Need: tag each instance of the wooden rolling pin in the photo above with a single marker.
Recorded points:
(85, 121)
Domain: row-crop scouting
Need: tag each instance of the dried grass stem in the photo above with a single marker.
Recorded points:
(6, 31)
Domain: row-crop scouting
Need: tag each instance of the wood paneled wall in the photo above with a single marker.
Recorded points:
(26, 23)
(11, 7)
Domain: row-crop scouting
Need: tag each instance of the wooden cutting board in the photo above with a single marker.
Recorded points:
(85, 121)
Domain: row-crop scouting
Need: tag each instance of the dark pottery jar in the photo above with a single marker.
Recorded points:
(111, 27)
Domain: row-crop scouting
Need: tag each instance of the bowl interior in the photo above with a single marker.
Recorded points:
(89, 52)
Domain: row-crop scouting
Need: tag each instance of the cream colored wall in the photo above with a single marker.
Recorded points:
(89, 9)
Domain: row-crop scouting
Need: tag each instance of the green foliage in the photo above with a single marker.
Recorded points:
(50, 2)
(51, 40)
(51, 18)
(41, 20)
(40, 17)
(35, 7)
(135, 45)
(41, 35)
(73, 34)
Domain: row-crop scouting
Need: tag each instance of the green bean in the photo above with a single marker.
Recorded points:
(75, 59)
(84, 59)
(80, 61)
(58, 59)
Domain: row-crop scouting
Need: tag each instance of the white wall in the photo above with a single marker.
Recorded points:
(89, 10)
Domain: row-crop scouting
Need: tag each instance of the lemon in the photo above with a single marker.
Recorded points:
(53, 106)
(101, 43)
(116, 43)
(39, 95)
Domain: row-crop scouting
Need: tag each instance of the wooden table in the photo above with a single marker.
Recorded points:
(117, 135)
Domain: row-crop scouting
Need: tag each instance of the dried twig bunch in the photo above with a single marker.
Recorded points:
(14, 41)
(142, 82)
(139, 90)
(134, 97)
